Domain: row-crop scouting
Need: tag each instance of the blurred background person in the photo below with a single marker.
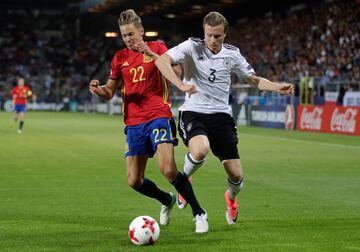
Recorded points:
(19, 95)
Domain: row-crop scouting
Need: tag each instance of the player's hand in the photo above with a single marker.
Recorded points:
(93, 86)
(188, 88)
(287, 89)
(144, 48)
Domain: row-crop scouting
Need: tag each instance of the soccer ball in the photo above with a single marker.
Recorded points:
(144, 230)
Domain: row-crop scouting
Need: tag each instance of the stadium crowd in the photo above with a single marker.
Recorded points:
(43, 48)
(321, 40)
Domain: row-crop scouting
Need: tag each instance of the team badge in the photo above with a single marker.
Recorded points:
(147, 58)
(188, 127)
(227, 62)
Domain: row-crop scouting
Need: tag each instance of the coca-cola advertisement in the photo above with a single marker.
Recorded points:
(343, 120)
(330, 119)
(310, 118)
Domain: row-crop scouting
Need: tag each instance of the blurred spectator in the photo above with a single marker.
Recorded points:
(318, 40)
(321, 41)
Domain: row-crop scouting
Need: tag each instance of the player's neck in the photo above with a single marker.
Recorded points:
(214, 52)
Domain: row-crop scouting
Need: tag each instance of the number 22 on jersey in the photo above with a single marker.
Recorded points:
(138, 74)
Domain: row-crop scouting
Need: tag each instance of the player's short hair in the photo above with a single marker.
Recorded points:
(215, 18)
(129, 17)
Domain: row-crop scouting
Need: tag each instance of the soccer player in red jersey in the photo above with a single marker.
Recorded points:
(149, 123)
(19, 95)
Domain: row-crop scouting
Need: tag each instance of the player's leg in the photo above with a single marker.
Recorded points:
(235, 184)
(193, 133)
(15, 115)
(137, 155)
(163, 139)
(21, 117)
(199, 147)
(135, 170)
(165, 152)
(223, 142)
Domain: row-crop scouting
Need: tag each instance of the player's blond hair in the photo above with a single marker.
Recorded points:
(129, 17)
(215, 18)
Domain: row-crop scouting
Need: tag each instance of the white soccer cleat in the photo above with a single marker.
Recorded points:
(165, 212)
(201, 223)
(19, 131)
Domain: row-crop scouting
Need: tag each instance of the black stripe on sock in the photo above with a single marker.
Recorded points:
(193, 161)
(237, 183)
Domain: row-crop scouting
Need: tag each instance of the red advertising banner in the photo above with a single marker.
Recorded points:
(329, 119)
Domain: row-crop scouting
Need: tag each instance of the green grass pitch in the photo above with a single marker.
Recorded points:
(63, 188)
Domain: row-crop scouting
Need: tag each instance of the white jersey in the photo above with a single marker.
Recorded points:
(211, 73)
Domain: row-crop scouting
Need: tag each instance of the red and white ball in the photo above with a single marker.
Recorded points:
(144, 230)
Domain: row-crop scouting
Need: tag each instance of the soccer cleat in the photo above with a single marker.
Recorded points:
(19, 131)
(165, 212)
(232, 209)
(201, 223)
(180, 201)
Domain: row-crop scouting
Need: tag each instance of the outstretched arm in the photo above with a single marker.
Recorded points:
(164, 64)
(106, 91)
(265, 84)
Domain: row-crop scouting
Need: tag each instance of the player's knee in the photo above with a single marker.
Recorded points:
(200, 153)
(134, 182)
(168, 171)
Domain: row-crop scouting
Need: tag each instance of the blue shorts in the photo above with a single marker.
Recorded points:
(142, 139)
(20, 108)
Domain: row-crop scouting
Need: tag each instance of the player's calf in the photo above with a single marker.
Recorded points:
(180, 200)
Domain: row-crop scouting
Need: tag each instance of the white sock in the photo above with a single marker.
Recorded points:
(191, 164)
(235, 187)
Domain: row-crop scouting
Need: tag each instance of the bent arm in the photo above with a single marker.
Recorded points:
(106, 91)
(164, 64)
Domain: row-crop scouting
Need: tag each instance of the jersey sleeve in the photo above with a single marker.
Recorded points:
(179, 52)
(241, 67)
(115, 73)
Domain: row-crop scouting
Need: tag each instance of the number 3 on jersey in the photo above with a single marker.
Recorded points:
(212, 76)
(137, 74)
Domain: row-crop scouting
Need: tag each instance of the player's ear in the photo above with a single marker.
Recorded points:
(141, 31)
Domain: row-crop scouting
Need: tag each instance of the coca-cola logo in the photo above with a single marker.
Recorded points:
(311, 119)
(343, 122)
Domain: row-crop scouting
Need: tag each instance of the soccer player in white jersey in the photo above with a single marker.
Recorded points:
(204, 119)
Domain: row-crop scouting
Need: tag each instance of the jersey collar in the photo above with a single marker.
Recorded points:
(214, 54)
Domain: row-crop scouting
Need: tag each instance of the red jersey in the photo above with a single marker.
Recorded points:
(145, 91)
(20, 94)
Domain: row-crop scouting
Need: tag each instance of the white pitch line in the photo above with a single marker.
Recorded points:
(303, 141)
